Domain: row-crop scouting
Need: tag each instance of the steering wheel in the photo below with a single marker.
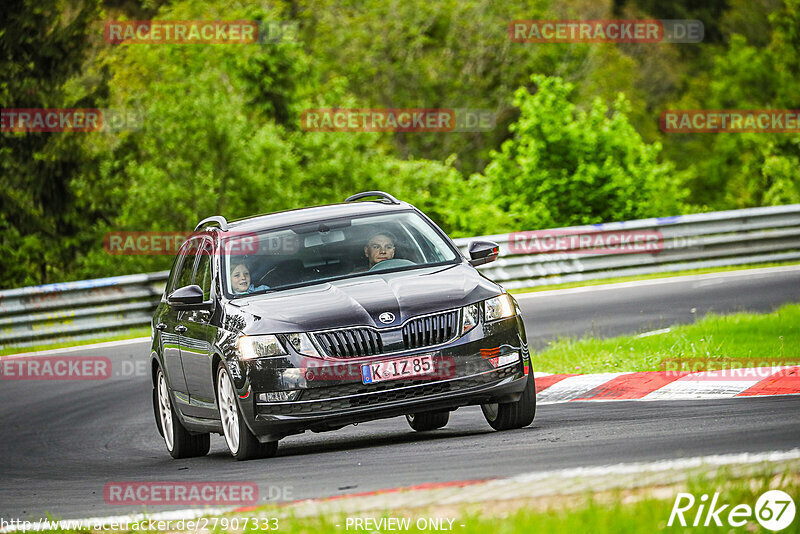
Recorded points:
(261, 278)
(390, 264)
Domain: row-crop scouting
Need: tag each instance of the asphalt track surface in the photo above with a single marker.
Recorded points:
(62, 441)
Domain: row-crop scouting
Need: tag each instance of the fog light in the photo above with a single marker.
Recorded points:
(506, 359)
(278, 396)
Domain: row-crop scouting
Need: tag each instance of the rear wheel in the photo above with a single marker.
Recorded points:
(427, 421)
(180, 442)
(241, 442)
(510, 415)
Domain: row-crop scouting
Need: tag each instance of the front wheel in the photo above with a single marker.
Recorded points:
(510, 415)
(241, 442)
(427, 421)
(180, 442)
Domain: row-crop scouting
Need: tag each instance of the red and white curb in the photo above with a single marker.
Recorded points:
(667, 385)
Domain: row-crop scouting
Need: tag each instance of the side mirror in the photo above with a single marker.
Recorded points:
(186, 296)
(481, 252)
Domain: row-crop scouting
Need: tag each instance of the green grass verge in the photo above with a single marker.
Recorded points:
(620, 511)
(131, 333)
(742, 336)
(653, 276)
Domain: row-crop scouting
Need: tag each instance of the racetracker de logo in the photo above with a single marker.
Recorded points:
(730, 121)
(586, 242)
(730, 369)
(156, 243)
(55, 368)
(606, 31)
(378, 120)
(38, 120)
(198, 31)
(180, 493)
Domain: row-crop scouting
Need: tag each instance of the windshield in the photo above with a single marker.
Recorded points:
(325, 250)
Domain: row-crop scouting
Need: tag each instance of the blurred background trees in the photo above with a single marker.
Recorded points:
(576, 139)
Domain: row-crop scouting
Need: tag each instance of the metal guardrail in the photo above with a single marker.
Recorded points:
(92, 308)
(72, 311)
(723, 238)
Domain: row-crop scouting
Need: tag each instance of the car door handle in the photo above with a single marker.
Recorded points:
(161, 326)
(180, 329)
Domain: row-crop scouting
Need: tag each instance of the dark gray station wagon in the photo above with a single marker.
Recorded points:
(318, 318)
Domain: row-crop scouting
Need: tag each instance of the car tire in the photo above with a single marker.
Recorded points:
(180, 442)
(427, 421)
(242, 444)
(511, 415)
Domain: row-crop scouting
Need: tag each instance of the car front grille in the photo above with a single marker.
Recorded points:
(417, 333)
(350, 342)
(430, 330)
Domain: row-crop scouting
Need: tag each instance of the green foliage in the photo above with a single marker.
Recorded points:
(42, 44)
(455, 54)
(565, 166)
(739, 170)
(221, 131)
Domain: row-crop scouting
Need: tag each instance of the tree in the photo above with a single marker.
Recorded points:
(43, 44)
(565, 166)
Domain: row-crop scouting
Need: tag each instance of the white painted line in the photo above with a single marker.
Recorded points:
(653, 333)
(78, 348)
(657, 281)
(661, 465)
(573, 387)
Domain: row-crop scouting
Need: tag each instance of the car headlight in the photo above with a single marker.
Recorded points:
(302, 344)
(250, 347)
(499, 308)
(470, 315)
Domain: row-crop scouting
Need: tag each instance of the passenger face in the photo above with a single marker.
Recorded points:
(240, 278)
(378, 249)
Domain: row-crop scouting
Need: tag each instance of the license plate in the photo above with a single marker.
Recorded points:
(400, 368)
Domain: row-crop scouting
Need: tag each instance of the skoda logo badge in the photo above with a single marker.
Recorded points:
(386, 317)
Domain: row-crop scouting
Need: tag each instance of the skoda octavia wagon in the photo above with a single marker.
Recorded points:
(322, 317)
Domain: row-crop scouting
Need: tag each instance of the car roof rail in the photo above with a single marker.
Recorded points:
(217, 220)
(384, 196)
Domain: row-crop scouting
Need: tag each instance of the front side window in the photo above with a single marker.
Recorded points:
(186, 261)
(202, 276)
(332, 249)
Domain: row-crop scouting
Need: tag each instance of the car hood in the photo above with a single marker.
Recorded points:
(362, 300)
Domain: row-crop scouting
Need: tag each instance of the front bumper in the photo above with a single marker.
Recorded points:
(275, 420)
(466, 375)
